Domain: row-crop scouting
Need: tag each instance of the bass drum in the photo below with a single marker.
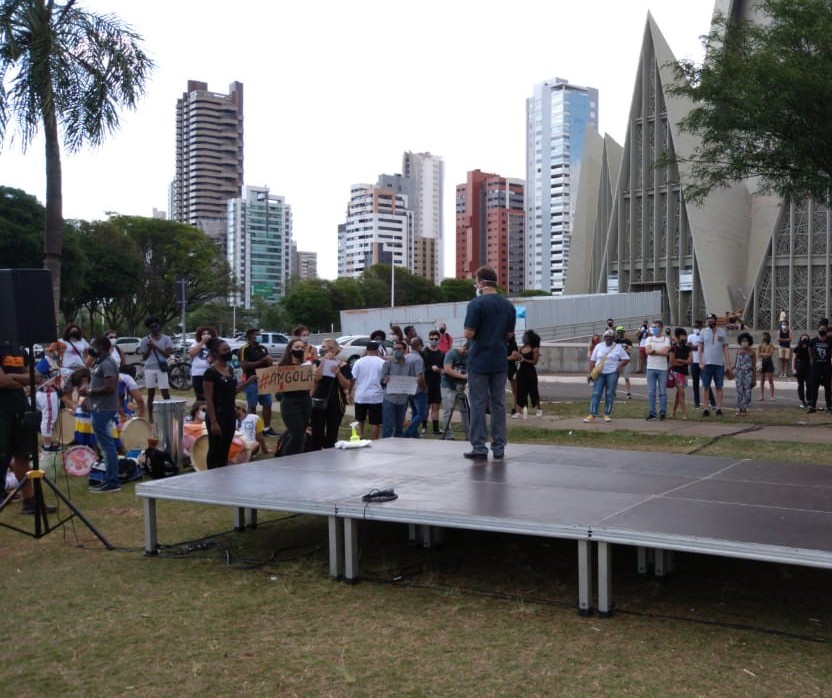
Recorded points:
(237, 453)
(134, 433)
(65, 428)
(78, 460)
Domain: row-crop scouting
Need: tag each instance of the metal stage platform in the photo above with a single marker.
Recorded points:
(759, 510)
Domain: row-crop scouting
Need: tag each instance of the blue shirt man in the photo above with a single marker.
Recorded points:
(489, 322)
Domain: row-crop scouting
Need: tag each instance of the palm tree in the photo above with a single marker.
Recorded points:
(69, 71)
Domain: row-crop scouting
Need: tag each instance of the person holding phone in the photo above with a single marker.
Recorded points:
(332, 383)
(155, 350)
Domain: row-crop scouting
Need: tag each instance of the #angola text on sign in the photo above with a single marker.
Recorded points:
(280, 379)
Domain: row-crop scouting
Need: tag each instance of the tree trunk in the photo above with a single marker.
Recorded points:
(53, 238)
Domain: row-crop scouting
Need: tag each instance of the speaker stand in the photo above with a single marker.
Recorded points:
(31, 423)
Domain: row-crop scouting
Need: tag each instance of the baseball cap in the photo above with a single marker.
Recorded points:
(373, 345)
(620, 328)
(609, 333)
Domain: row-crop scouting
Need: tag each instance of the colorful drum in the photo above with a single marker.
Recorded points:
(191, 431)
(238, 453)
(78, 460)
(65, 428)
(134, 433)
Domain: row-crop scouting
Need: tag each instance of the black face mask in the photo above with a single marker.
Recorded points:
(92, 352)
(75, 335)
(297, 353)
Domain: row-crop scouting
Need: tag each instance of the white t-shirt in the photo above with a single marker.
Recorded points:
(129, 382)
(656, 361)
(366, 372)
(199, 362)
(694, 341)
(615, 354)
(251, 425)
(74, 353)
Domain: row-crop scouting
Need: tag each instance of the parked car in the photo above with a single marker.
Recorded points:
(353, 349)
(275, 342)
(128, 345)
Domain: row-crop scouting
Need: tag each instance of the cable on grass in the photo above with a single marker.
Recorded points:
(713, 440)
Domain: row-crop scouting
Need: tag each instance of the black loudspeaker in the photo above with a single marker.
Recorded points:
(27, 310)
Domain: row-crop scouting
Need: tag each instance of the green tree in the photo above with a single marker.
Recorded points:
(761, 102)
(455, 290)
(21, 229)
(310, 303)
(532, 292)
(67, 71)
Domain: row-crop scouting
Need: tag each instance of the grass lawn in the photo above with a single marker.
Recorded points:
(254, 614)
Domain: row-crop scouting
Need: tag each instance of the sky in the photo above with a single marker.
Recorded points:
(335, 92)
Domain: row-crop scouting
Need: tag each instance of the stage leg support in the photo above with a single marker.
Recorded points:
(605, 604)
(350, 551)
(151, 535)
(239, 519)
(585, 577)
(336, 547)
(251, 519)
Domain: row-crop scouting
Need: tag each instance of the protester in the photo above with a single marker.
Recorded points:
(220, 387)
(613, 358)
(642, 335)
(766, 354)
(433, 358)
(102, 404)
(513, 356)
(310, 353)
(695, 344)
(394, 406)
(446, 342)
(454, 382)
(527, 388)
(251, 427)
(745, 372)
(657, 349)
(784, 342)
(332, 384)
(155, 349)
(254, 355)
(419, 400)
(802, 369)
(295, 405)
(680, 362)
(367, 391)
(74, 354)
(819, 347)
(198, 351)
(380, 336)
(489, 322)
(713, 358)
(627, 346)
(115, 352)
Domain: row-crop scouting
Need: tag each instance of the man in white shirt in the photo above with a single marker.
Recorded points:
(656, 349)
(367, 391)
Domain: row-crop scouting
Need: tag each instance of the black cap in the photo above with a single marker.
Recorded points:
(372, 346)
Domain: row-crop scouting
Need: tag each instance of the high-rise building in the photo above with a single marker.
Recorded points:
(378, 230)
(490, 223)
(304, 264)
(209, 156)
(426, 173)
(557, 116)
(259, 245)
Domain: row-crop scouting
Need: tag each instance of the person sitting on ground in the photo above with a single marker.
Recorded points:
(251, 427)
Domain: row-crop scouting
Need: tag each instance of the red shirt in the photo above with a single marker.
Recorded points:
(446, 343)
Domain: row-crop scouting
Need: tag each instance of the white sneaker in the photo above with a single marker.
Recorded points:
(525, 413)
(516, 415)
(540, 413)
(607, 419)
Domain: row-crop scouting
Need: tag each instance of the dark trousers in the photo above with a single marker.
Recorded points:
(804, 383)
(219, 444)
(325, 423)
(527, 389)
(197, 382)
(295, 410)
(820, 379)
(695, 379)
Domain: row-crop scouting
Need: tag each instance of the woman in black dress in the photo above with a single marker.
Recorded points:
(295, 405)
(332, 384)
(527, 374)
(220, 388)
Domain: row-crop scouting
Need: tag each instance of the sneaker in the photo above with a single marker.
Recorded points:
(589, 420)
(539, 413)
(515, 415)
(629, 397)
(706, 412)
(497, 455)
(802, 406)
(268, 431)
(52, 448)
(811, 410)
(513, 411)
(102, 489)
(718, 412)
(29, 507)
(475, 455)
(651, 418)
(607, 418)
(662, 417)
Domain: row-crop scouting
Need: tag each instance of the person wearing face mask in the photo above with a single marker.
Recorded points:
(680, 361)
(310, 353)
(713, 358)
(220, 387)
(295, 405)
(198, 351)
(74, 348)
(642, 335)
(627, 346)
(613, 358)
(434, 358)
(745, 372)
(820, 352)
(802, 368)
(527, 386)
(766, 354)
(155, 349)
(446, 342)
(657, 349)
(695, 344)
(395, 404)
(784, 343)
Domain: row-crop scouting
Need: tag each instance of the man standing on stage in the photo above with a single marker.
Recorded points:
(489, 322)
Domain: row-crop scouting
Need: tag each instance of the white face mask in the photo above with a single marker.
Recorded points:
(200, 414)
(697, 330)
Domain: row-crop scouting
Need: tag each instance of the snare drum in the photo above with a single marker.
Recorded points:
(237, 453)
(134, 433)
(65, 428)
(78, 460)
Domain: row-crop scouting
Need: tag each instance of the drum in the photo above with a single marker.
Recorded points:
(134, 433)
(78, 460)
(238, 453)
(191, 431)
(65, 428)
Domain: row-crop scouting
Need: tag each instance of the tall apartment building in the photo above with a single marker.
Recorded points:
(209, 156)
(304, 264)
(259, 245)
(490, 225)
(423, 182)
(378, 230)
(557, 116)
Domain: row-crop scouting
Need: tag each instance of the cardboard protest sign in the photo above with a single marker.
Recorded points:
(279, 379)
(402, 385)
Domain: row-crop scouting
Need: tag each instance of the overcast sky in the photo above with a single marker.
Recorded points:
(336, 91)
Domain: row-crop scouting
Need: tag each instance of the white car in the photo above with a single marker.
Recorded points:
(128, 345)
(354, 348)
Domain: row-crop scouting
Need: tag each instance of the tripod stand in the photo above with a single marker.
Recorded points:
(460, 403)
(29, 424)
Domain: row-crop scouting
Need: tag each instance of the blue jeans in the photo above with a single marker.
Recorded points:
(656, 383)
(102, 423)
(420, 413)
(608, 382)
(392, 419)
(486, 389)
(253, 398)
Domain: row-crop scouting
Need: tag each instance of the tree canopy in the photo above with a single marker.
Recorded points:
(761, 98)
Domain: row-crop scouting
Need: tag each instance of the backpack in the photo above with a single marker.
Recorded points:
(157, 463)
